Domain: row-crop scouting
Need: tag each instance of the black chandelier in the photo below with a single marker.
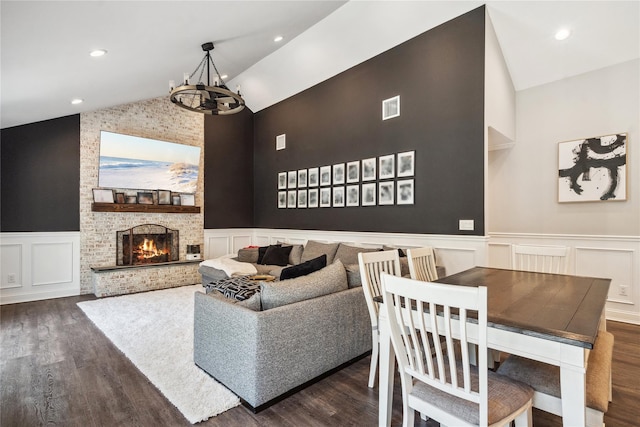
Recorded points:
(214, 99)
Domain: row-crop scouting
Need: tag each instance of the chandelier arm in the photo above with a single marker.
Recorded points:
(222, 83)
(198, 67)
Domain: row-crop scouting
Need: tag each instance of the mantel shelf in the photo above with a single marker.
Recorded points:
(131, 207)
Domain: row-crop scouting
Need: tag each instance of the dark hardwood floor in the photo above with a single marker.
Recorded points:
(58, 369)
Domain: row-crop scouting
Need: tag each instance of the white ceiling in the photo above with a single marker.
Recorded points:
(45, 45)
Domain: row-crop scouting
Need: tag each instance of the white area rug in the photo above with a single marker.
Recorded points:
(155, 331)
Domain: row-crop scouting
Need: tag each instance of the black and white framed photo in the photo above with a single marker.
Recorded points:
(385, 192)
(120, 197)
(353, 195)
(302, 198)
(282, 181)
(302, 178)
(291, 199)
(369, 169)
(164, 197)
(406, 163)
(146, 198)
(292, 179)
(313, 177)
(132, 200)
(353, 172)
(338, 197)
(593, 169)
(405, 192)
(387, 167)
(325, 175)
(282, 199)
(325, 197)
(369, 194)
(338, 174)
(101, 195)
(185, 199)
(312, 199)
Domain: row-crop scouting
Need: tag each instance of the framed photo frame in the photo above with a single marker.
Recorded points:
(405, 192)
(325, 197)
(313, 177)
(292, 179)
(282, 199)
(385, 193)
(406, 163)
(291, 199)
(103, 195)
(369, 194)
(120, 198)
(593, 169)
(131, 200)
(282, 181)
(369, 169)
(338, 173)
(325, 175)
(353, 172)
(164, 197)
(302, 178)
(175, 199)
(353, 195)
(312, 198)
(338, 197)
(145, 197)
(302, 198)
(387, 166)
(188, 199)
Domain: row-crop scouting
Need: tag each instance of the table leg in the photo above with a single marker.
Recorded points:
(387, 367)
(572, 392)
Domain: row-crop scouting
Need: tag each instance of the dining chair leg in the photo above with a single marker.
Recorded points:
(375, 348)
(525, 419)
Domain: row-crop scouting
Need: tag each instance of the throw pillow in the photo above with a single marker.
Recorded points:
(248, 255)
(261, 251)
(276, 255)
(330, 279)
(349, 254)
(353, 275)
(296, 253)
(304, 268)
(314, 249)
(401, 252)
(252, 303)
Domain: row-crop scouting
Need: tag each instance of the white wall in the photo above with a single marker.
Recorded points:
(523, 180)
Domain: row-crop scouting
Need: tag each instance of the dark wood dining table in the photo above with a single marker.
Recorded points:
(553, 318)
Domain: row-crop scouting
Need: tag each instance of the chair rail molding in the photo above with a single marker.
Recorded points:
(614, 257)
(39, 265)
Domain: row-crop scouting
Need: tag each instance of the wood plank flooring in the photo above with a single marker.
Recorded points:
(58, 369)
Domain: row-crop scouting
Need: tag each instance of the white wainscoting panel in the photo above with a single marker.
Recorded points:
(240, 242)
(41, 265)
(216, 245)
(613, 257)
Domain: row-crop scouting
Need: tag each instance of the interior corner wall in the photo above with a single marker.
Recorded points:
(439, 76)
(228, 175)
(523, 180)
(40, 176)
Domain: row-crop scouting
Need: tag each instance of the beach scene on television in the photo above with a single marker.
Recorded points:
(141, 163)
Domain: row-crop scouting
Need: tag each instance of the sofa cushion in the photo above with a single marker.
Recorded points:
(402, 253)
(330, 279)
(354, 279)
(277, 255)
(304, 268)
(261, 251)
(349, 254)
(314, 249)
(248, 255)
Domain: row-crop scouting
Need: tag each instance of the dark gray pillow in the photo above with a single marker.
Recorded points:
(276, 255)
(263, 250)
(304, 268)
(314, 249)
(349, 254)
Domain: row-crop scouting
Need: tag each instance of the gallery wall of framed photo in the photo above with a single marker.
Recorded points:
(374, 181)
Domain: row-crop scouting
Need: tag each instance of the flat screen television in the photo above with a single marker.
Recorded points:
(133, 162)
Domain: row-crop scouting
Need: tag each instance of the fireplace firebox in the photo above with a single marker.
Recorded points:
(147, 244)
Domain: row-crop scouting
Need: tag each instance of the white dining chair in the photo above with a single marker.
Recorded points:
(446, 387)
(422, 264)
(371, 265)
(541, 259)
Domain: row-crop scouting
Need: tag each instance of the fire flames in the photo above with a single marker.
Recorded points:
(148, 249)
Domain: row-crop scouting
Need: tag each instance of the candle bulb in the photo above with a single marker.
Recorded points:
(172, 85)
(238, 89)
(186, 78)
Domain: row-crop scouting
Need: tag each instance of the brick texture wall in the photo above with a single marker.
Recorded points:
(155, 118)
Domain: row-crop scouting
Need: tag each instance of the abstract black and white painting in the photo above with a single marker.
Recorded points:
(312, 201)
(353, 172)
(386, 169)
(353, 195)
(405, 192)
(282, 199)
(369, 169)
(325, 197)
(369, 194)
(593, 169)
(406, 163)
(313, 177)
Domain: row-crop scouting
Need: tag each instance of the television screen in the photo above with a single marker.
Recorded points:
(141, 163)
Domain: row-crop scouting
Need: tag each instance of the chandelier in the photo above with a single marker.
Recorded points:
(214, 99)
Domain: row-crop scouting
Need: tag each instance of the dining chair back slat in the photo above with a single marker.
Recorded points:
(541, 259)
(422, 264)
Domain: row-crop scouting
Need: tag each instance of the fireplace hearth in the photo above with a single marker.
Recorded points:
(147, 244)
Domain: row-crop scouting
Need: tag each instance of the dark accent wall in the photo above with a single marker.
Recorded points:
(40, 176)
(439, 76)
(228, 175)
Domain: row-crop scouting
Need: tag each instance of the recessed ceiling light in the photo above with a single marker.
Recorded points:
(562, 34)
(77, 101)
(278, 39)
(98, 52)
